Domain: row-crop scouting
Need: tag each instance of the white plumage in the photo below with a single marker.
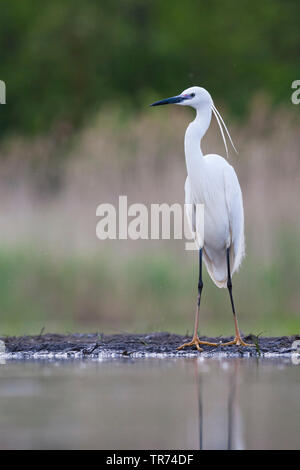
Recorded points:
(219, 190)
(213, 182)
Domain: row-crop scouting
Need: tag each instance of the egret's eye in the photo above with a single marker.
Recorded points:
(192, 95)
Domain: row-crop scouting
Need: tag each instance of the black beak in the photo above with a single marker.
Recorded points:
(173, 99)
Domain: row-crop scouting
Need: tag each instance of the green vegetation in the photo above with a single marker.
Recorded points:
(61, 60)
(142, 294)
(54, 273)
(79, 76)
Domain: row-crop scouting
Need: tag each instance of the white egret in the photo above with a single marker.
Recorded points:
(213, 182)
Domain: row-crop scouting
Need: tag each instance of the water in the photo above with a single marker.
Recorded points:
(150, 404)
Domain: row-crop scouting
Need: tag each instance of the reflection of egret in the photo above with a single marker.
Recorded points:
(200, 406)
(217, 431)
(213, 182)
(235, 434)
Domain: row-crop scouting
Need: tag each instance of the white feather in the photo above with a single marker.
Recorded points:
(216, 113)
(221, 129)
(213, 182)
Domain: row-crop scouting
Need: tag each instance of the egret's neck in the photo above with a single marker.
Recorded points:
(193, 137)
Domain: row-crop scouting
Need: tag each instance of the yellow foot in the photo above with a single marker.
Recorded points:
(238, 341)
(196, 342)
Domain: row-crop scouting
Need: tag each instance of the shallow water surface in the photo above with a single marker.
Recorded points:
(193, 403)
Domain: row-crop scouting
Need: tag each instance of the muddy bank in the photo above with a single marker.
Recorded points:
(95, 345)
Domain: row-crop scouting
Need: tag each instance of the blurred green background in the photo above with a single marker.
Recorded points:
(77, 131)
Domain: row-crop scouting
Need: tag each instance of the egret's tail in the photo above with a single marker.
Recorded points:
(217, 269)
(218, 274)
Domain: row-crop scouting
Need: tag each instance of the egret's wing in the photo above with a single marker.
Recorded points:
(234, 202)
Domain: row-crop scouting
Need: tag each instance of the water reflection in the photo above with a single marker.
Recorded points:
(234, 433)
(233, 430)
(196, 403)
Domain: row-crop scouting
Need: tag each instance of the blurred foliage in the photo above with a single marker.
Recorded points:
(61, 60)
(145, 293)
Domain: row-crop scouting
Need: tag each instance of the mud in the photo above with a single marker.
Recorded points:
(137, 345)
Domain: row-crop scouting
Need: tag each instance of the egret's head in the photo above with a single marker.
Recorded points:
(195, 96)
(199, 99)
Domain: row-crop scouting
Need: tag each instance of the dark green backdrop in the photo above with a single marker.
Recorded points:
(61, 60)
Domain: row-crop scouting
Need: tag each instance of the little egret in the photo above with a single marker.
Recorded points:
(211, 181)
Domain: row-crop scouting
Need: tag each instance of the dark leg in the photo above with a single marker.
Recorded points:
(195, 341)
(200, 282)
(229, 287)
(238, 340)
(200, 287)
